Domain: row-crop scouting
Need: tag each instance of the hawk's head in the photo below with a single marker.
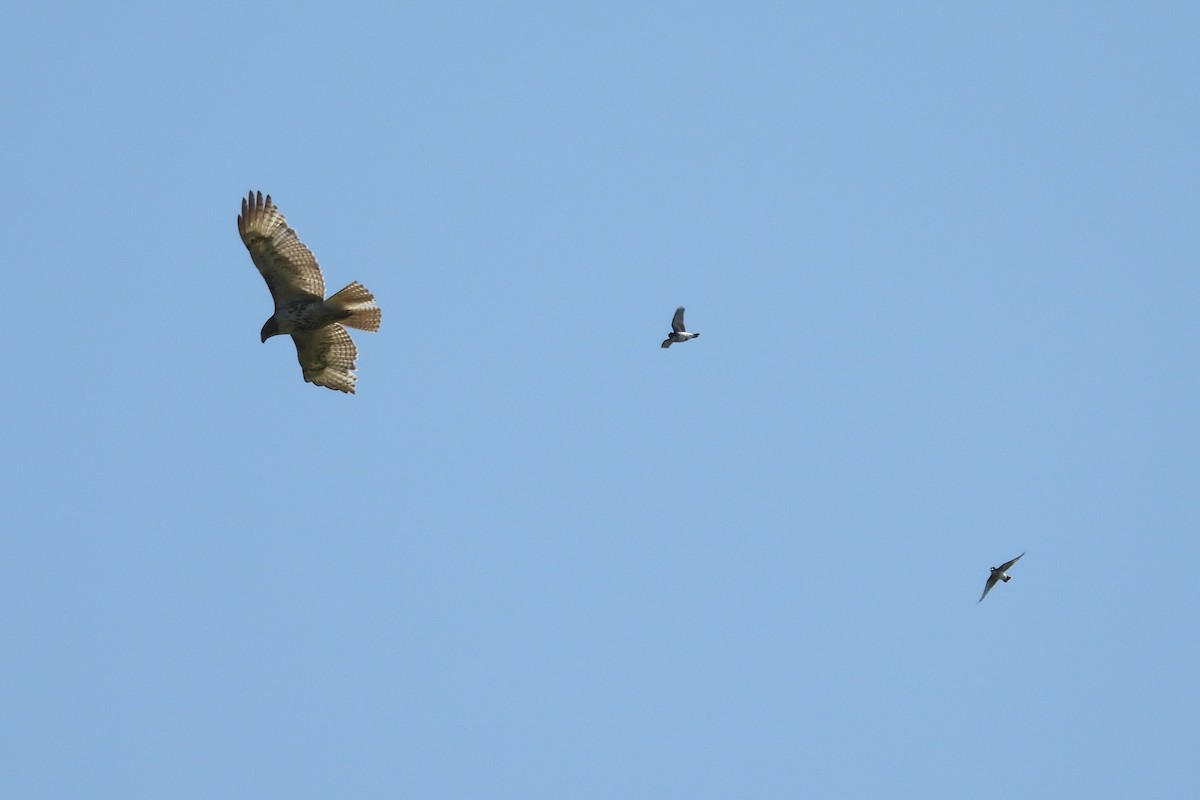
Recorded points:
(270, 328)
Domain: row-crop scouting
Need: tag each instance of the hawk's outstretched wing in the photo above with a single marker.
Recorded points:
(677, 321)
(327, 356)
(288, 266)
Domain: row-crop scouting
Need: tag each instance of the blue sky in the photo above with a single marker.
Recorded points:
(943, 257)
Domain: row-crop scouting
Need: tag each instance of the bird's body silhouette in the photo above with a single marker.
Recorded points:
(999, 573)
(678, 332)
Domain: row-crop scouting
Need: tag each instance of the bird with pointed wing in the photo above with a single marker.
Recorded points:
(678, 332)
(999, 573)
(316, 323)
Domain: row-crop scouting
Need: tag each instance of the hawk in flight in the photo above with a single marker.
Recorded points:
(325, 349)
(678, 332)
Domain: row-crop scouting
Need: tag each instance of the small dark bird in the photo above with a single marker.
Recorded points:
(999, 573)
(678, 332)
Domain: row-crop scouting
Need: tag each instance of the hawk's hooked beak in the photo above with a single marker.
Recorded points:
(270, 328)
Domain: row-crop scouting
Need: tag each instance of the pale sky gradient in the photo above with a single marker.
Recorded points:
(944, 260)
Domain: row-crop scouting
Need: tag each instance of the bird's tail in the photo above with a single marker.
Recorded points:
(359, 301)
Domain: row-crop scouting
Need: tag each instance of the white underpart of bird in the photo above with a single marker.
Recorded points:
(678, 332)
(999, 573)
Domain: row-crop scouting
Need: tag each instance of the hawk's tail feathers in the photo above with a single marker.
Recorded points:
(359, 301)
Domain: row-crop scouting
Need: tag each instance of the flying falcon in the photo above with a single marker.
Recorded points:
(325, 349)
(999, 573)
(678, 332)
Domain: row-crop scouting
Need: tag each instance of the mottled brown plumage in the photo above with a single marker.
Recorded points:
(327, 353)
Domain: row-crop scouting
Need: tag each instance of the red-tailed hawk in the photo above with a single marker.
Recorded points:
(325, 349)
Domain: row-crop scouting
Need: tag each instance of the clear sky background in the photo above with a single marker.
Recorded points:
(944, 260)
